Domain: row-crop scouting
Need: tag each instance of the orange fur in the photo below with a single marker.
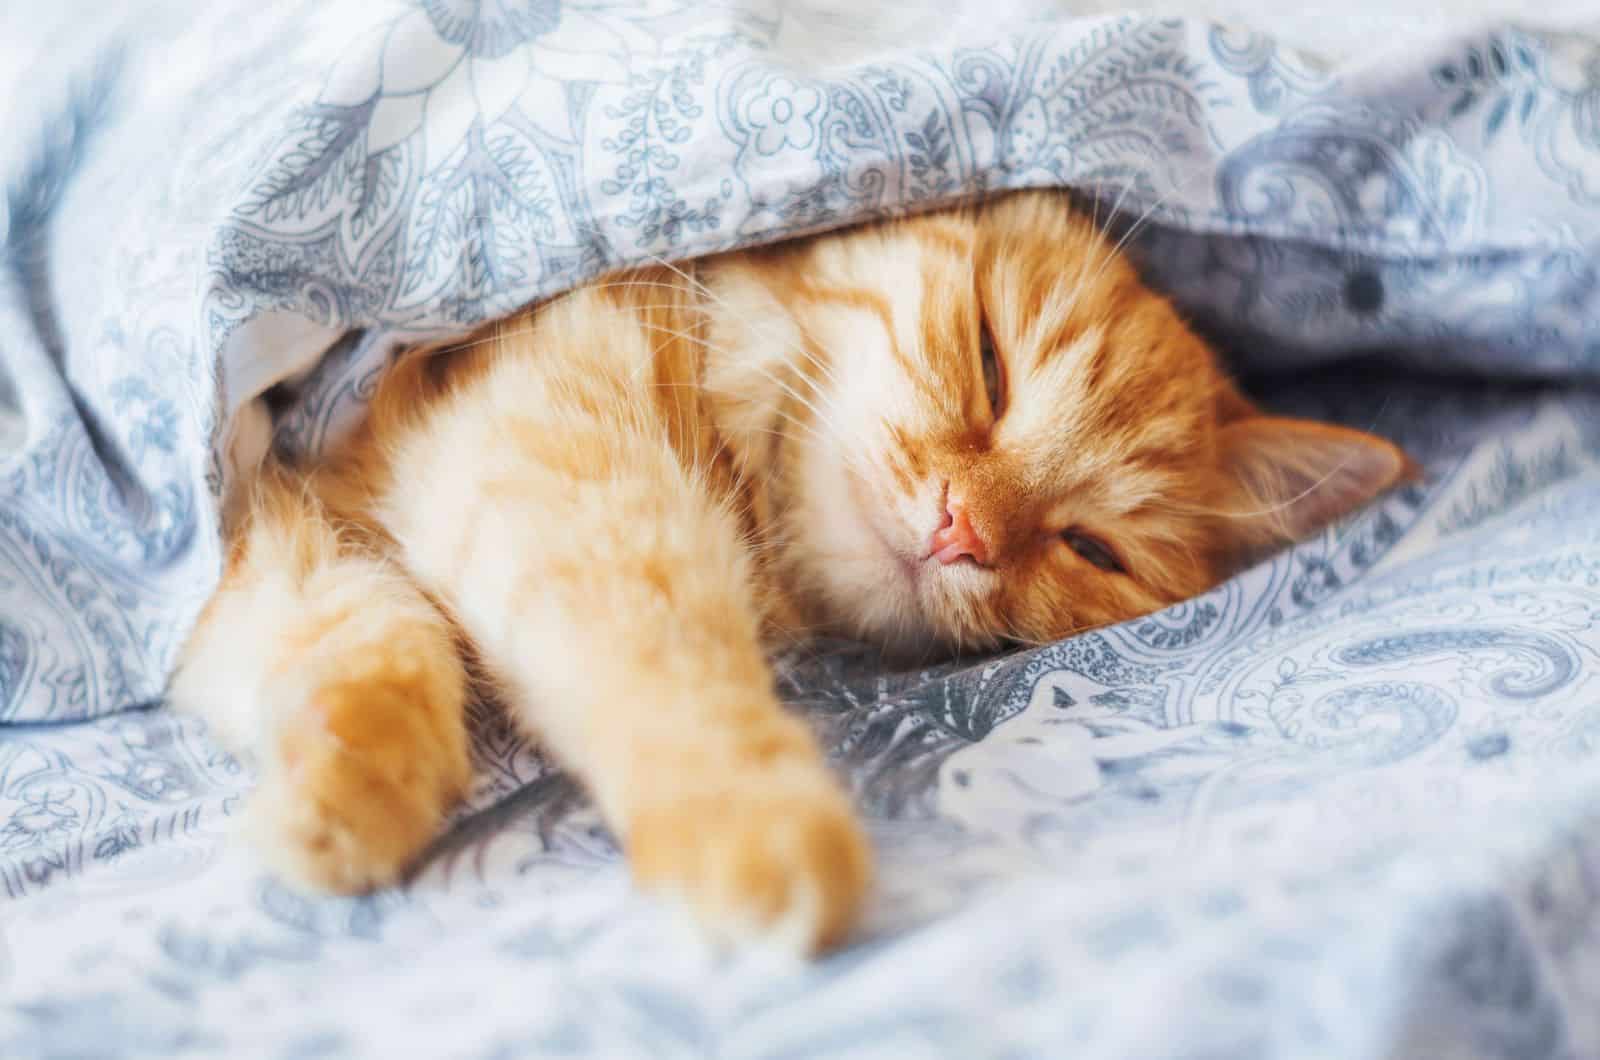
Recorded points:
(621, 497)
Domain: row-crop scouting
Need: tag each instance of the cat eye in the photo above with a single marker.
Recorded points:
(991, 369)
(1092, 550)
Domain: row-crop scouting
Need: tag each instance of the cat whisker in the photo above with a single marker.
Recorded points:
(722, 303)
(807, 429)
(766, 372)
(815, 389)
(1094, 218)
(499, 336)
(1145, 217)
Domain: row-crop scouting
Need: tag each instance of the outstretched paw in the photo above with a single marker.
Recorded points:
(759, 856)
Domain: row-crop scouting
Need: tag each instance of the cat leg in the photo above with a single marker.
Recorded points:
(610, 598)
(331, 666)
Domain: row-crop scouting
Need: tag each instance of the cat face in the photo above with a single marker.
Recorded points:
(991, 430)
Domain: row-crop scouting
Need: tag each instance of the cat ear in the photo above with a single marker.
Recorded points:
(1293, 477)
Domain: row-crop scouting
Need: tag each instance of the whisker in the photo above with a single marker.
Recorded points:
(1145, 217)
(707, 292)
(1094, 220)
(821, 415)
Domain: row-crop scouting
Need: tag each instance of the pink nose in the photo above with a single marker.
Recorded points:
(956, 539)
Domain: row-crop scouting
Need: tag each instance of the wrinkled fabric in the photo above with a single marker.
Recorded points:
(1344, 805)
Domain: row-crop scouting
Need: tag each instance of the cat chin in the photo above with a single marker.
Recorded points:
(896, 606)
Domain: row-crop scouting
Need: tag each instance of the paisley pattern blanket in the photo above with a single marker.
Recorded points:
(1346, 804)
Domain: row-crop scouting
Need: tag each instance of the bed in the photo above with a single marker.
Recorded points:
(1345, 804)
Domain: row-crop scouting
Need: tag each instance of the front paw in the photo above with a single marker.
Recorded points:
(359, 785)
(760, 856)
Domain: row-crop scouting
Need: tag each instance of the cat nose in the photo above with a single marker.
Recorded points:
(955, 539)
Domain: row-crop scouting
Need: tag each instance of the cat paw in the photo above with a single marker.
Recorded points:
(758, 861)
(358, 787)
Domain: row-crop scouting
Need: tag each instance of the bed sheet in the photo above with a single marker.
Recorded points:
(1345, 805)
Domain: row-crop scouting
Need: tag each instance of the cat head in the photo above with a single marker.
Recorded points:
(990, 430)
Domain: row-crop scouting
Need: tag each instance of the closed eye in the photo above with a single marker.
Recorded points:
(1094, 551)
(993, 377)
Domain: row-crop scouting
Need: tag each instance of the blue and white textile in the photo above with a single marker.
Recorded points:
(1345, 805)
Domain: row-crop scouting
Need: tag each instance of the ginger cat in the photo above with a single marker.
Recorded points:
(966, 429)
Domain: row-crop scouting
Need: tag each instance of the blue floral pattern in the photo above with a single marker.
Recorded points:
(784, 116)
(1341, 805)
